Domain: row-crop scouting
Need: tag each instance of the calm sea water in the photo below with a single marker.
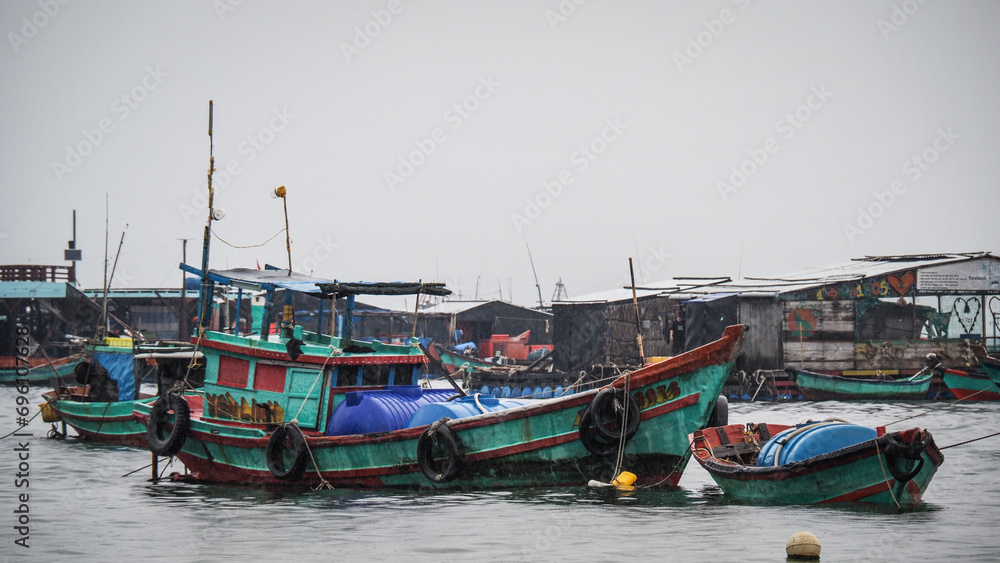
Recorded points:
(82, 509)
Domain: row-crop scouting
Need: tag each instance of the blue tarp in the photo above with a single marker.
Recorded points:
(120, 368)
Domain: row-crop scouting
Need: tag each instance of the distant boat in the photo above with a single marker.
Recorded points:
(453, 361)
(970, 386)
(818, 462)
(826, 387)
(99, 407)
(990, 364)
(36, 369)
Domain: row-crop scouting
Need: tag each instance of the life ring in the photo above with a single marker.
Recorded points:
(276, 445)
(448, 469)
(895, 451)
(606, 407)
(155, 426)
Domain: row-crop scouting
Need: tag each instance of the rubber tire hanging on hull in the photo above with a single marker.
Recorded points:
(450, 469)
(157, 422)
(595, 434)
(894, 451)
(720, 413)
(276, 453)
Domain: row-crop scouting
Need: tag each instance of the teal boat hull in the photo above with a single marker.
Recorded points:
(824, 387)
(110, 423)
(533, 445)
(61, 368)
(871, 472)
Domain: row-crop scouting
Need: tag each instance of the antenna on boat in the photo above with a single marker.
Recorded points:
(638, 322)
(281, 192)
(537, 286)
(205, 295)
(104, 306)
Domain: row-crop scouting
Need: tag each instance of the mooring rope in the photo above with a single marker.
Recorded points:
(970, 441)
(22, 426)
(955, 402)
(878, 454)
(624, 429)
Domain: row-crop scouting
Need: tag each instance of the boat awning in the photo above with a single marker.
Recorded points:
(272, 279)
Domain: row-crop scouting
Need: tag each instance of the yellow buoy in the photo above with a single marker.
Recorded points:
(625, 481)
(802, 545)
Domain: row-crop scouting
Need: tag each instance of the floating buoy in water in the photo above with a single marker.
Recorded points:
(802, 545)
(624, 481)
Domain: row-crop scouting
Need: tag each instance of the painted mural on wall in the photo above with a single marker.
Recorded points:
(892, 285)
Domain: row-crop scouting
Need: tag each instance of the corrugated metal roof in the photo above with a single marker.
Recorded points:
(456, 307)
(859, 268)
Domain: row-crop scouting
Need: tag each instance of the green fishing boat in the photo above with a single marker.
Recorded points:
(990, 364)
(107, 387)
(267, 416)
(826, 387)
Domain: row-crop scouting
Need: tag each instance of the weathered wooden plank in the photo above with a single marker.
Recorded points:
(812, 317)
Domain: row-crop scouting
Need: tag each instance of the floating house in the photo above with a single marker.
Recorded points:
(483, 323)
(877, 313)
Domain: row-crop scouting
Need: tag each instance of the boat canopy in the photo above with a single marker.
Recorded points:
(272, 279)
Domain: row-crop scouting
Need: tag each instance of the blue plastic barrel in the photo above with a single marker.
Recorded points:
(810, 440)
(461, 408)
(485, 389)
(381, 410)
(515, 392)
(526, 392)
(558, 391)
(505, 392)
(547, 392)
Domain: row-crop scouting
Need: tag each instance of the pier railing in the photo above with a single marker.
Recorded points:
(39, 273)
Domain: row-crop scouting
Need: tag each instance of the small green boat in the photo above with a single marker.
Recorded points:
(825, 387)
(13, 369)
(819, 463)
(990, 364)
(100, 406)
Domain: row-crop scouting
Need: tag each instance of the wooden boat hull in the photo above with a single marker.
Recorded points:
(533, 445)
(453, 362)
(824, 387)
(109, 423)
(970, 386)
(990, 364)
(869, 472)
(39, 370)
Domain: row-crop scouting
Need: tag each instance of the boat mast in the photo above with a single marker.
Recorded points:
(205, 295)
(541, 305)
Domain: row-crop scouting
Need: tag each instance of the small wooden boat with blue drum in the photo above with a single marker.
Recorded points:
(826, 387)
(819, 462)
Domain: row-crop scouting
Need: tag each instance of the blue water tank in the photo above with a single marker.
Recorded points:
(381, 410)
(485, 389)
(505, 392)
(810, 440)
(461, 408)
(547, 392)
(515, 393)
(526, 392)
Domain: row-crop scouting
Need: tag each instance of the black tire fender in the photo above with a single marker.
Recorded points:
(276, 445)
(603, 407)
(720, 413)
(449, 469)
(895, 451)
(591, 441)
(156, 425)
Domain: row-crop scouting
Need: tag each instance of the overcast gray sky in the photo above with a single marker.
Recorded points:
(429, 139)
